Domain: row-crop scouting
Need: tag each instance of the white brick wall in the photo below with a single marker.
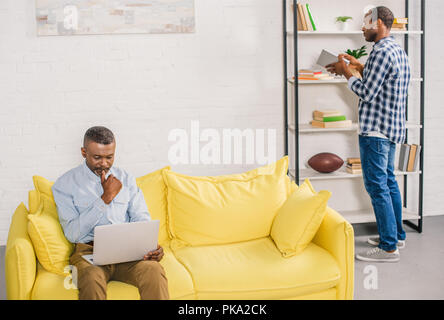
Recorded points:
(226, 75)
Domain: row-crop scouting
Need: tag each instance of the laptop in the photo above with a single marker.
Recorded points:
(123, 242)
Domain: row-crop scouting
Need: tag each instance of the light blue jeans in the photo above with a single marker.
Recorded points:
(377, 160)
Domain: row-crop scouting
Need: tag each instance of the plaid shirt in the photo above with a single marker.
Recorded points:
(383, 90)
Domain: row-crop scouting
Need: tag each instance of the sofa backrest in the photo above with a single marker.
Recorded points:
(225, 209)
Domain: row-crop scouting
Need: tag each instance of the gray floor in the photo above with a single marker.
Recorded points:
(417, 276)
(419, 273)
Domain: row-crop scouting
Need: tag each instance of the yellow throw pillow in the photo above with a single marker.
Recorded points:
(298, 220)
(155, 193)
(50, 244)
(225, 209)
(33, 201)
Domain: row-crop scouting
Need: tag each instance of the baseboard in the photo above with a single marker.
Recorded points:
(433, 213)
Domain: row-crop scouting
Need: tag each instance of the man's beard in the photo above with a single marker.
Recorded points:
(97, 170)
(371, 37)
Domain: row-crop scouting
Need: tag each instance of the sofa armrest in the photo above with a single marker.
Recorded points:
(336, 235)
(20, 258)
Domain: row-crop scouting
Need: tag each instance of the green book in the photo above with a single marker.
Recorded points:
(334, 118)
(311, 17)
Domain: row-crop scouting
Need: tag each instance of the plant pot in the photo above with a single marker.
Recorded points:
(344, 26)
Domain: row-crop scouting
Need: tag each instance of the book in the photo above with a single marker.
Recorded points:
(330, 119)
(403, 157)
(326, 113)
(309, 72)
(298, 17)
(411, 158)
(307, 18)
(401, 20)
(324, 76)
(302, 15)
(316, 77)
(418, 151)
(354, 166)
(353, 171)
(354, 160)
(335, 124)
(399, 25)
(310, 15)
(404, 28)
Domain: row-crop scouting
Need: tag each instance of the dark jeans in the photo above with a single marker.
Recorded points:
(377, 160)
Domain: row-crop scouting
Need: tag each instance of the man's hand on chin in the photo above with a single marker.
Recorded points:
(155, 255)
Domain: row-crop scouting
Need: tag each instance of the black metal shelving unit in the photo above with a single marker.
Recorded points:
(295, 87)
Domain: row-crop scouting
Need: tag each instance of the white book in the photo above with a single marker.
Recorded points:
(307, 18)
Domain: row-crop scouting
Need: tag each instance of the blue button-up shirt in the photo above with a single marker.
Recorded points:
(77, 194)
(383, 91)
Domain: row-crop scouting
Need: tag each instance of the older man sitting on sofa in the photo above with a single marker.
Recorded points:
(116, 199)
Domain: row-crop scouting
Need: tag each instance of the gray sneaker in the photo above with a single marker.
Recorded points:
(375, 241)
(379, 255)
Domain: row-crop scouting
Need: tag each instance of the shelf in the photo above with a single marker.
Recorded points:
(355, 32)
(306, 131)
(339, 174)
(307, 128)
(367, 215)
(334, 81)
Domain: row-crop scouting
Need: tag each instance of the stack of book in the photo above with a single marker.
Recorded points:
(313, 75)
(400, 24)
(331, 118)
(305, 20)
(354, 165)
(409, 157)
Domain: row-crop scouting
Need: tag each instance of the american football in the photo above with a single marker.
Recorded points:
(325, 162)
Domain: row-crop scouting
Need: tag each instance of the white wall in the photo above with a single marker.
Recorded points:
(226, 75)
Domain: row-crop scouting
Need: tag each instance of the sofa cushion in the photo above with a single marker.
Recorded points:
(50, 244)
(51, 286)
(298, 220)
(155, 193)
(225, 209)
(20, 263)
(256, 270)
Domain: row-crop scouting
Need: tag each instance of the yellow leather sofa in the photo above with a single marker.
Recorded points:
(236, 262)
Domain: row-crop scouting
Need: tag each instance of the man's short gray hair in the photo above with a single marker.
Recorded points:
(98, 134)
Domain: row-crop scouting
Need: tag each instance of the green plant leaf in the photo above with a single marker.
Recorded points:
(343, 18)
(357, 53)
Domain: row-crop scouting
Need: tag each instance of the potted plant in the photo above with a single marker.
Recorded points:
(343, 22)
(357, 53)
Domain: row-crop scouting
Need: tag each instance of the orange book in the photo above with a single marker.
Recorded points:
(412, 155)
(308, 78)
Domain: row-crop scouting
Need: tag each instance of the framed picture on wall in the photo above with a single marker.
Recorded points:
(68, 17)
